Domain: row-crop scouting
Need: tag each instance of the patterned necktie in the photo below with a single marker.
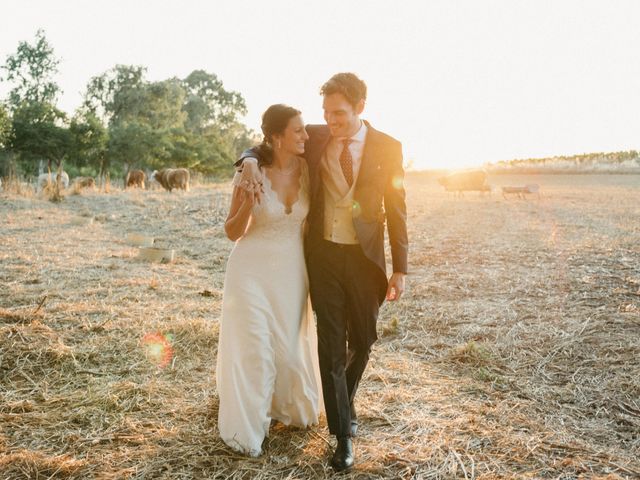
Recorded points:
(346, 162)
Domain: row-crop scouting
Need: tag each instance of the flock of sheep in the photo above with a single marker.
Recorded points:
(168, 178)
(178, 178)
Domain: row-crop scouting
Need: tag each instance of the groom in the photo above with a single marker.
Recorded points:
(356, 179)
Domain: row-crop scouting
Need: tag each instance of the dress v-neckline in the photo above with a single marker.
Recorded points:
(288, 209)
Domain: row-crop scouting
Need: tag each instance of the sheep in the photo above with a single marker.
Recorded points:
(84, 182)
(45, 179)
(171, 178)
(521, 192)
(135, 178)
(473, 180)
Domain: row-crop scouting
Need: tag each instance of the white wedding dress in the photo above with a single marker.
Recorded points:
(267, 364)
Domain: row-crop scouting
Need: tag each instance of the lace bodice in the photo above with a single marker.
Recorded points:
(270, 218)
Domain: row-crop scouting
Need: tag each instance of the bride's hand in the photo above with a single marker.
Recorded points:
(251, 178)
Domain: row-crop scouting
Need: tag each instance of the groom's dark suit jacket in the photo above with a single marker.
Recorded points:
(378, 196)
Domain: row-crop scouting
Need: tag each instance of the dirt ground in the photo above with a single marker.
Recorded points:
(515, 352)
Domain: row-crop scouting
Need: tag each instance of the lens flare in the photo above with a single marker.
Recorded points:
(356, 209)
(397, 182)
(157, 348)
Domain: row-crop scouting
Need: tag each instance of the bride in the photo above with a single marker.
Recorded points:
(267, 351)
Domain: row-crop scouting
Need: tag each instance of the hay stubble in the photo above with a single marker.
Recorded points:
(515, 353)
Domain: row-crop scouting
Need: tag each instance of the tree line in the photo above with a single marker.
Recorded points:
(624, 161)
(125, 121)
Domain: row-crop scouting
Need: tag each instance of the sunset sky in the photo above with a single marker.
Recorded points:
(459, 83)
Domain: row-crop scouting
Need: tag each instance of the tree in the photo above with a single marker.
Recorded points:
(164, 101)
(7, 160)
(133, 143)
(140, 115)
(39, 129)
(88, 142)
(5, 127)
(32, 69)
(208, 103)
(213, 114)
(243, 138)
(114, 95)
(191, 123)
(204, 152)
(40, 132)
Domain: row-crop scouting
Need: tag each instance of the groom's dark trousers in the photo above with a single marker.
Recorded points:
(345, 300)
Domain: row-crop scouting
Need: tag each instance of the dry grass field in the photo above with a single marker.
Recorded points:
(514, 354)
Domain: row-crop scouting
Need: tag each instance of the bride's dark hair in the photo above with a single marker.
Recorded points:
(274, 122)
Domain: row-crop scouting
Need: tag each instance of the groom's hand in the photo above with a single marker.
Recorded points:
(396, 286)
(251, 178)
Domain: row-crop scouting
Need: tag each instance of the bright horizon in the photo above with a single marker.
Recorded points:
(458, 84)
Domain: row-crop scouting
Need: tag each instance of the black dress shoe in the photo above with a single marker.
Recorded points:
(354, 421)
(343, 456)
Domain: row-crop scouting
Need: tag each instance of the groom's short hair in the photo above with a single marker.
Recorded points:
(348, 84)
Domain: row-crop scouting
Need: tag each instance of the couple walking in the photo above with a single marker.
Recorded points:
(308, 212)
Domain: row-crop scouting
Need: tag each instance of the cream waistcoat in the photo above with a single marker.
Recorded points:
(338, 197)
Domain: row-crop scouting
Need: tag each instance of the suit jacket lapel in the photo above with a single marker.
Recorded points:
(369, 163)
